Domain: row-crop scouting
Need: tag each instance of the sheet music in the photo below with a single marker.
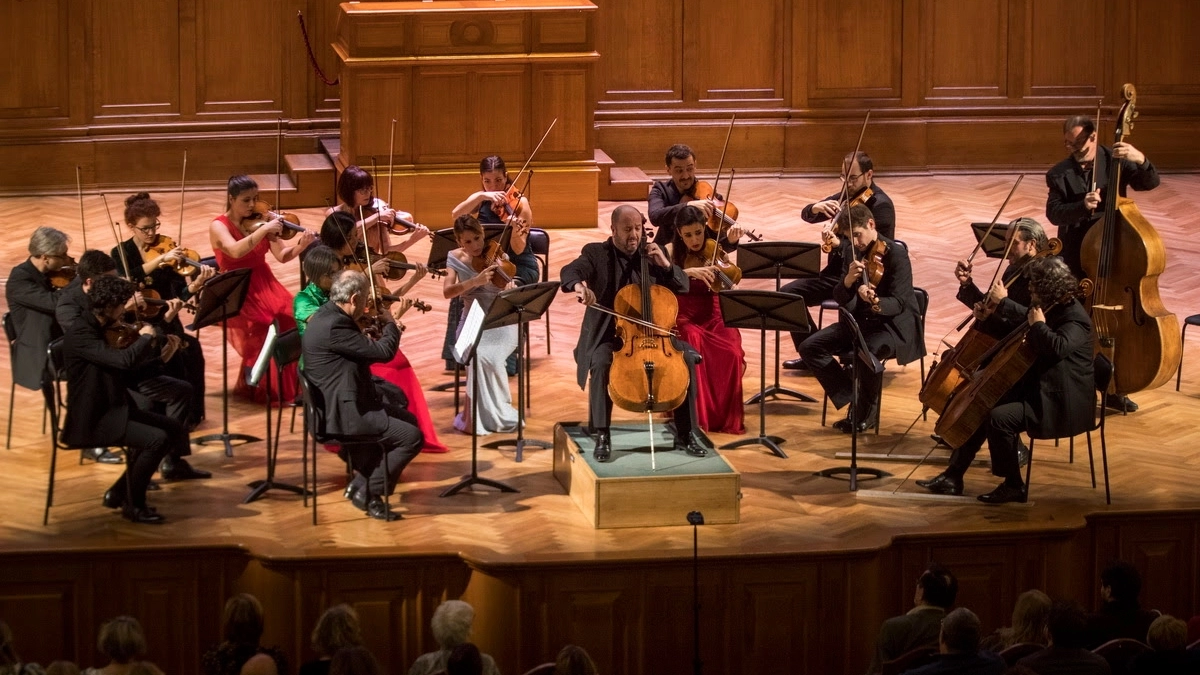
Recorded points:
(264, 358)
(468, 333)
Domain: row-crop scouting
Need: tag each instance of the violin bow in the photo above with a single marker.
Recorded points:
(182, 186)
(513, 215)
(112, 224)
(724, 210)
(845, 198)
(367, 256)
(278, 160)
(979, 244)
(391, 161)
(721, 161)
(79, 187)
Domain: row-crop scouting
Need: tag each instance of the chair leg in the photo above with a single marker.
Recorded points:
(824, 408)
(50, 484)
(1179, 371)
(1091, 459)
(1029, 467)
(548, 332)
(878, 409)
(924, 411)
(43, 420)
(12, 392)
(1070, 450)
(292, 428)
(315, 452)
(1104, 461)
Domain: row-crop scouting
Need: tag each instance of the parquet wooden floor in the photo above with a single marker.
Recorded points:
(1155, 453)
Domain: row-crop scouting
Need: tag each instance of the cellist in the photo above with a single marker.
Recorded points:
(1054, 398)
(1075, 201)
(601, 270)
(1004, 306)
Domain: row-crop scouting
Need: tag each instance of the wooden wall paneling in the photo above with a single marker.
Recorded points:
(641, 52)
(240, 57)
(735, 53)
(379, 95)
(1164, 549)
(36, 71)
(1064, 49)
(135, 49)
(666, 643)
(853, 51)
(510, 135)
(385, 598)
(599, 610)
(965, 49)
(161, 592)
(1166, 64)
(559, 92)
(770, 619)
(46, 606)
(320, 17)
(818, 145)
(513, 628)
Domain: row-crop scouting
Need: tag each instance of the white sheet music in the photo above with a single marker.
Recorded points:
(264, 358)
(468, 333)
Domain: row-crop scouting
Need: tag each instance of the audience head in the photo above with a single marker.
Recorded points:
(145, 668)
(243, 620)
(1167, 634)
(573, 660)
(960, 632)
(122, 640)
(1067, 625)
(1029, 617)
(354, 661)
(937, 586)
(451, 623)
(63, 668)
(336, 629)
(464, 659)
(1122, 581)
(8, 651)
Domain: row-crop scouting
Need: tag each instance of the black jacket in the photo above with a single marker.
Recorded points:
(1060, 384)
(338, 358)
(98, 401)
(898, 311)
(665, 202)
(882, 210)
(1011, 311)
(31, 302)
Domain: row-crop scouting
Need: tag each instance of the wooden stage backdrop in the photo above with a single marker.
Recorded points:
(799, 586)
(121, 87)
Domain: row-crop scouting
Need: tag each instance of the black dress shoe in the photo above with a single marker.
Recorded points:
(1120, 403)
(795, 364)
(691, 447)
(379, 511)
(1022, 454)
(603, 451)
(103, 455)
(153, 486)
(143, 515)
(943, 484)
(179, 469)
(843, 425)
(1004, 494)
(114, 499)
(360, 497)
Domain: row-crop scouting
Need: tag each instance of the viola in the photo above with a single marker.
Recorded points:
(873, 270)
(373, 319)
(121, 335)
(829, 238)
(724, 215)
(493, 254)
(64, 275)
(188, 266)
(263, 214)
(727, 275)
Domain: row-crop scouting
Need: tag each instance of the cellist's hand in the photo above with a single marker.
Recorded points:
(827, 208)
(655, 253)
(962, 270)
(1092, 199)
(704, 274)
(997, 292)
(1035, 315)
(1127, 151)
(584, 294)
(979, 311)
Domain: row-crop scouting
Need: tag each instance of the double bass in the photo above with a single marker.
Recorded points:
(1123, 255)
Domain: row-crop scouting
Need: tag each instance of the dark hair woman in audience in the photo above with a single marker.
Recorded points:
(123, 642)
(242, 626)
(573, 660)
(337, 629)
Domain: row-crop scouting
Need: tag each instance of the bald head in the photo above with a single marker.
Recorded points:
(627, 228)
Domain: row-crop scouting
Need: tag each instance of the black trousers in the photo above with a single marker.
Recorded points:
(175, 395)
(402, 442)
(1002, 430)
(188, 365)
(815, 291)
(819, 351)
(600, 403)
(150, 437)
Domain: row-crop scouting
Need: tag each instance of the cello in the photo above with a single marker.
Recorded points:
(1124, 255)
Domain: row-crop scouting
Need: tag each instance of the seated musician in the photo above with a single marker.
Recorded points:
(887, 315)
(32, 299)
(719, 374)
(1074, 206)
(668, 197)
(356, 189)
(337, 359)
(858, 177)
(601, 270)
(1004, 306)
(1053, 400)
(149, 383)
(100, 411)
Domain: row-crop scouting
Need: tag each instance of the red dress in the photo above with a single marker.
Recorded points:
(719, 376)
(266, 301)
(400, 372)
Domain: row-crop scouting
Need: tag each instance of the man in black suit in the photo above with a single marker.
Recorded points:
(1053, 400)
(1121, 615)
(958, 647)
(887, 314)
(99, 408)
(337, 360)
(31, 303)
(1066, 654)
(1002, 308)
(668, 197)
(601, 270)
(936, 590)
(858, 176)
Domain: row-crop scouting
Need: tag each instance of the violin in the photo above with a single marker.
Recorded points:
(493, 254)
(393, 224)
(727, 275)
(373, 320)
(263, 215)
(398, 266)
(188, 266)
(873, 270)
(829, 238)
(64, 275)
(724, 215)
(121, 335)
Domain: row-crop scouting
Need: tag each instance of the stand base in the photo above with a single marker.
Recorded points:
(776, 390)
(853, 473)
(473, 479)
(227, 439)
(447, 386)
(770, 442)
(260, 488)
(519, 444)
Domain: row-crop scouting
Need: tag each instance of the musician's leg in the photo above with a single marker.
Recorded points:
(1004, 426)
(883, 345)
(815, 291)
(818, 351)
(685, 414)
(599, 402)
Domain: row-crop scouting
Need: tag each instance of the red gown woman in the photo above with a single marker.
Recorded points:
(719, 375)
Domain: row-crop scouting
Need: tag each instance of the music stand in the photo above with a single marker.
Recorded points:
(995, 243)
(222, 299)
(763, 311)
(862, 358)
(259, 487)
(525, 303)
(779, 260)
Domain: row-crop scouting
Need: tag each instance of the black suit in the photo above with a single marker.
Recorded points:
(664, 204)
(606, 270)
(892, 332)
(977, 663)
(1010, 312)
(100, 412)
(902, 634)
(31, 302)
(1062, 661)
(337, 359)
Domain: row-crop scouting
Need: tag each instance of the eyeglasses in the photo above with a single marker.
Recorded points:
(153, 227)
(851, 176)
(1078, 143)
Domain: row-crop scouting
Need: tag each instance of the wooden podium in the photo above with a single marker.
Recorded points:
(465, 79)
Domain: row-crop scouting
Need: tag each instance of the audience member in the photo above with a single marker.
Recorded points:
(573, 660)
(958, 649)
(242, 626)
(1168, 638)
(356, 660)
(62, 668)
(144, 668)
(1193, 629)
(451, 625)
(1028, 623)
(464, 660)
(336, 629)
(123, 642)
(936, 590)
(1120, 616)
(1067, 653)
(10, 663)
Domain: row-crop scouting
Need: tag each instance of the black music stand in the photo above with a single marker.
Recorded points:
(259, 487)
(222, 299)
(779, 260)
(995, 243)
(525, 303)
(763, 311)
(862, 358)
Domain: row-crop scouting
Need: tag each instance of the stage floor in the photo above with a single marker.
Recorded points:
(1154, 454)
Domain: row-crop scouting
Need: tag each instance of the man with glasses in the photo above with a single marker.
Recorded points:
(1074, 206)
(858, 174)
(32, 299)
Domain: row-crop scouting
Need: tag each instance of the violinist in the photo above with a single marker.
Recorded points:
(1075, 200)
(100, 411)
(886, 312)
(719, 389)
(858, 176)
(356, 189)
(1053, 400)
(1004, 306)
(341, 233)
(463, 279)
(239, 241)
(668, 197)
(152, 267)
(601, 270)
(32, 298)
